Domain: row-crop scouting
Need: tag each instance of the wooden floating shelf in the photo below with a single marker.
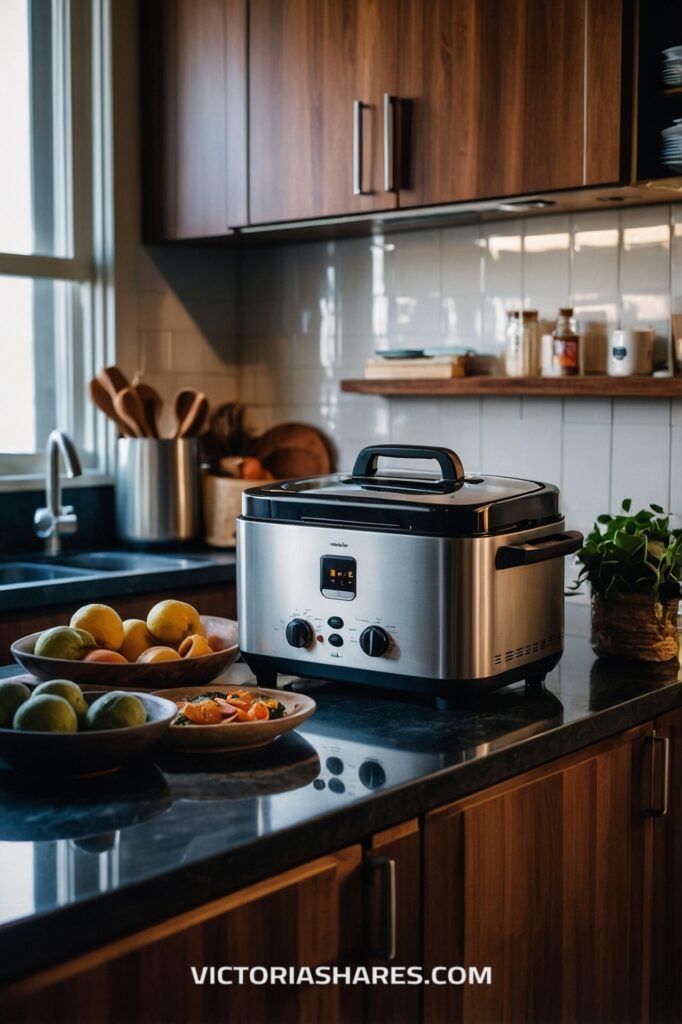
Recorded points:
(587, 387)
(673, 90)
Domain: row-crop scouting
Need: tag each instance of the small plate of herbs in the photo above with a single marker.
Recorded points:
(232, 717)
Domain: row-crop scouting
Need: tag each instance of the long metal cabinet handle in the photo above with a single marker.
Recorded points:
(662, 743)
(385, 867)
(357, 147)
(389, 125)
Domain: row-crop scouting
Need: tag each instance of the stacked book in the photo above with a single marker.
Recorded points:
(421, 368)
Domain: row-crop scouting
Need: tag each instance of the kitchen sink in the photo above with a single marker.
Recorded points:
(13, 573)
(125, 561)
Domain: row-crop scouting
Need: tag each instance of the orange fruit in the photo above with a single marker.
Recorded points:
(109, 657)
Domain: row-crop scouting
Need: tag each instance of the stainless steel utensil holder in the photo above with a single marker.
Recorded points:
(157, 490)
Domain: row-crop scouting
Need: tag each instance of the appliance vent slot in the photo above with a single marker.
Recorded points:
(532, 648)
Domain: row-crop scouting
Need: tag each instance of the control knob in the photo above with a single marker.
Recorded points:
(299, 633)
(374, 641)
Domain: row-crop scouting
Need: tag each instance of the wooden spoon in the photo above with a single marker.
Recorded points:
(102, 399)
(151, 404)
(182, 403)
(129, 408)
(113, 380)
(195, 418)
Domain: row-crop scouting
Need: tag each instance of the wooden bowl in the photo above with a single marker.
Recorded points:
(133, 676)
(86, 753)
(234, 736)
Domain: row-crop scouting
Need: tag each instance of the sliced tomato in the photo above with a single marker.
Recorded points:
(206, 712)
(258, 711)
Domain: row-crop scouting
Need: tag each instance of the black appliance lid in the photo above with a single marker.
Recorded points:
(446, 504)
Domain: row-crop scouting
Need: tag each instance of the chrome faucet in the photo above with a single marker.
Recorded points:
(52, 521)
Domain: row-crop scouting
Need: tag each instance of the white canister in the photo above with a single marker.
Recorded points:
(631, 352)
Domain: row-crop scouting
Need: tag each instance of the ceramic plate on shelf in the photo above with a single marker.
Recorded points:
(134, 676)
(231, 735)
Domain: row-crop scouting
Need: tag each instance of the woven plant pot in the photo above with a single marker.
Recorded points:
(633, 627)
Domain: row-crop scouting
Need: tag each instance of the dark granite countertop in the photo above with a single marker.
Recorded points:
(163, 570)
(83, 863)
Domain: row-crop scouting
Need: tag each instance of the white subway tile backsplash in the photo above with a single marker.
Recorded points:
(588, 410)
(547, 264)
(586, 479)
(595, 255)
(631, 411)
(279, 327)
(462, 256)
(645, 253)
(640, 466)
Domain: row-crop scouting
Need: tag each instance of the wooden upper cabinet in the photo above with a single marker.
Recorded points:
(503, 98)
(310, 61)
(194, 117)
(545, 879)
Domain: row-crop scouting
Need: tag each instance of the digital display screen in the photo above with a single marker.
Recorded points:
(338, 576)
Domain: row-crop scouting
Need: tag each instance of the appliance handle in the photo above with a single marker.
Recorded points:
(450, 463)
(542, 549)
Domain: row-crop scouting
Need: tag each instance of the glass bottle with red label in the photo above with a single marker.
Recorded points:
(566, 345)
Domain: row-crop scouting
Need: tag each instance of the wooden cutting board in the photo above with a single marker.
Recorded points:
(292, 450)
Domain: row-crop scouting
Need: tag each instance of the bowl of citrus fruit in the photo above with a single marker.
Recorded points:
(174, 646)
(55, 727)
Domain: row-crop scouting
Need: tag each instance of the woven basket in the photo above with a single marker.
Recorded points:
(635, 628)
(222, 503)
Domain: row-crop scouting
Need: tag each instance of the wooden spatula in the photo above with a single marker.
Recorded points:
(129, 409)
(151, 404)
(112, 380)
(102, 399)
(195, 418)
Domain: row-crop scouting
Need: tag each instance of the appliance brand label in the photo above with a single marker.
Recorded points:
(337, 544)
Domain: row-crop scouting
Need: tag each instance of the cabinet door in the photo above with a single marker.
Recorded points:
(394, 858)
(508, 98)
(308, 916)
(542, 879)
(666, 980)
(194, 84)
(309, 62)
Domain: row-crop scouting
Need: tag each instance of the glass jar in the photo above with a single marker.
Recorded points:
(522, 348)
(513, 365)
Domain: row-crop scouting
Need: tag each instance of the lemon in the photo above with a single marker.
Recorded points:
(194, 647)
(12, 695)
(60, 642)
(102, 622)
(116, 710)
(69, 691)
(136, 639)
(154, 654)
(171, 621)
(46, 713)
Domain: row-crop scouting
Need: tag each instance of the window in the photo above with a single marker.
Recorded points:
(53, 294)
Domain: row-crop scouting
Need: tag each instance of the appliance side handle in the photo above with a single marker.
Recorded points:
(450, 463)
(541, 550)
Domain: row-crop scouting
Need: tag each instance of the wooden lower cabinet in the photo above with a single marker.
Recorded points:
(544, 880)
(564, 881)
(310, 916)
(666, 975)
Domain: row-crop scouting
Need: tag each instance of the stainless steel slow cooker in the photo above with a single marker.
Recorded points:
(436, 583)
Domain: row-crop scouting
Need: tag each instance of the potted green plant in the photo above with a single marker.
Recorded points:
(633, 563)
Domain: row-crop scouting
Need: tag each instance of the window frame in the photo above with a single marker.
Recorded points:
(81, 83)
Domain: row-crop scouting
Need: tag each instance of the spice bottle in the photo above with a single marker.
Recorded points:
(530, 342)
(565, 345)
